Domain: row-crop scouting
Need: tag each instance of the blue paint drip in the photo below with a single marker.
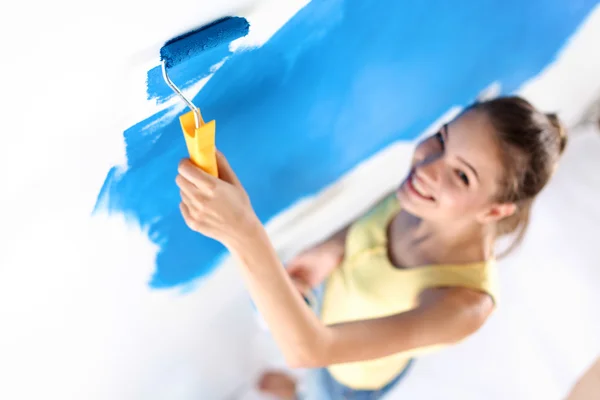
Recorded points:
(340, 81)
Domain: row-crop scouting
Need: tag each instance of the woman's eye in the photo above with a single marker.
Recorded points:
(463, 177)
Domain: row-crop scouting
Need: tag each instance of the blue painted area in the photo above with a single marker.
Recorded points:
(184, 75)
(340, 81)
(191, 56)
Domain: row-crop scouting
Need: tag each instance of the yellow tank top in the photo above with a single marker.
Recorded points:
(367, 285)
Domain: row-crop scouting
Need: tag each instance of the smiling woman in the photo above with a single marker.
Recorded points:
(501, 150)
(416, 273)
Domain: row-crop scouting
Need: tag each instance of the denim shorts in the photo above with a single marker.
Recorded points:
(320, 385)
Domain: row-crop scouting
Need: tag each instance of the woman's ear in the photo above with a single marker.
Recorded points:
(497, 212)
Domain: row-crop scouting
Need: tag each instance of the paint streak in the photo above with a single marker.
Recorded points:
(340, 81)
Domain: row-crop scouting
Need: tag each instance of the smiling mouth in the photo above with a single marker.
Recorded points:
(416, 187)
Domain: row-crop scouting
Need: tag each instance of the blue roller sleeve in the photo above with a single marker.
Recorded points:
(191, 44)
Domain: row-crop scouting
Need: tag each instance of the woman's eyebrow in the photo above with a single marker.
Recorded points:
(445, 128)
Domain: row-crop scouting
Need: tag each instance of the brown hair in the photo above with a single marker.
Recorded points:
(531, 144)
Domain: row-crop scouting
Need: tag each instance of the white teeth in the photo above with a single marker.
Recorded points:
(415, 184)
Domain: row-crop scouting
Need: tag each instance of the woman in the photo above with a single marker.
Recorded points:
(415, 274)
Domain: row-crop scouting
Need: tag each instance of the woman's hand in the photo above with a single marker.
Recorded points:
(313, 266)
(218, 208)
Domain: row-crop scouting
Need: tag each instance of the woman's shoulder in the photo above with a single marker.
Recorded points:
(468, 279)
(467, 306)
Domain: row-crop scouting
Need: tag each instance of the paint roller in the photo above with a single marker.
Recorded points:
(200, 135)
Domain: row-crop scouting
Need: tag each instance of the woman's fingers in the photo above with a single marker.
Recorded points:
(205, 183)
(186, 187)
(187, 216)
(226, 173)
(212, 206)
(301, 284)
(190, 202)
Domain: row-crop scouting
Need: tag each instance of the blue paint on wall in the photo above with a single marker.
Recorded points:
(184, 75)
(340, 81)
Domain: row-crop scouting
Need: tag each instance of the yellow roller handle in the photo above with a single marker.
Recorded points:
(200, 142)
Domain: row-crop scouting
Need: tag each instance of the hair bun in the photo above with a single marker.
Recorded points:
(561, 130)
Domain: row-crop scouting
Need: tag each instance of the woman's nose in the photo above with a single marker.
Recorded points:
(429, 170)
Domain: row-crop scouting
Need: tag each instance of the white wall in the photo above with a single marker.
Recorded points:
(79, 321)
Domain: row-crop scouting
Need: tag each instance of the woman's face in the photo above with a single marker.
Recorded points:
(455, 173)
